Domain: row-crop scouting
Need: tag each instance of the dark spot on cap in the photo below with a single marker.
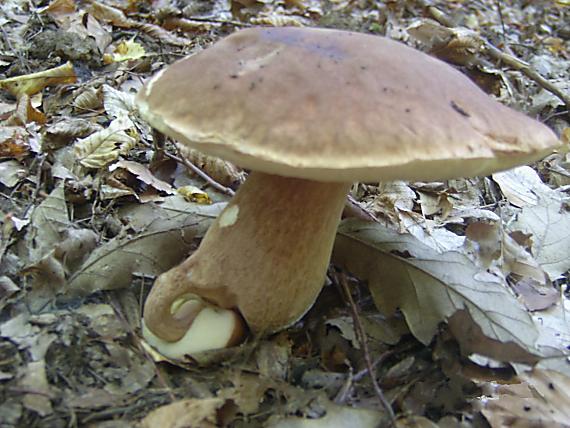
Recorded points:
(459, 109)
(234, 76)
(407, 110)
(216, 86)
(363, 67)
(527, 408)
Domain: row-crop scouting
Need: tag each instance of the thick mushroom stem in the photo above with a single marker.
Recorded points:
(266, 256)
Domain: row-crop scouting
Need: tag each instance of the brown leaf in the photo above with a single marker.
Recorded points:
(191, 413)
(545, 402)
(13, 142)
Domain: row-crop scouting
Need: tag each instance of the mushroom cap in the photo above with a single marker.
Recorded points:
(332, 105)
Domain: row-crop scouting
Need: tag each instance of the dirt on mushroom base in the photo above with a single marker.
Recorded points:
(81, 354)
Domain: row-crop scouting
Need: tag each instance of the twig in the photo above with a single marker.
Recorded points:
(199, 173)
(498, 55)
(500, 12)
(341, 278)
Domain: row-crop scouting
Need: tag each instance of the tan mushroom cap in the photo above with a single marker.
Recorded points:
(332, 105)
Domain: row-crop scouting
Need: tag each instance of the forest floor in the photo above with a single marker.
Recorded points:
(92, 200)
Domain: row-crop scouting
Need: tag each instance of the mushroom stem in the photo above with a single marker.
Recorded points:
(266, 256)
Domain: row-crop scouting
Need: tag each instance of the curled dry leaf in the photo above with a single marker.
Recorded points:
(430, 287)
(457, 45)
(117, 103)
(63, 132)
(31, 84)
(88, 99)
(117, 18)
(194, 194)
(125, 51)
(224, 172)
(143, 174)
(105, 146)
(13, 142)
(541, 399)
(522, 186)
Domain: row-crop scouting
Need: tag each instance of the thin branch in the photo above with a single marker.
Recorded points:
(341, 279)
(198, 172)
(498, 55)
(201, 174)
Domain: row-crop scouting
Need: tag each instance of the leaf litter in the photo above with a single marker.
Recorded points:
(460, 287)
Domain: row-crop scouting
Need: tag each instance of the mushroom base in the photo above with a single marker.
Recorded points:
(266, 256)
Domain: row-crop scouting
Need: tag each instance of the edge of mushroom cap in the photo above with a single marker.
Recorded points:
(231, 147)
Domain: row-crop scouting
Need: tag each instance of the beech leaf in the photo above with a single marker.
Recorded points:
(165, 238)
(430, 287)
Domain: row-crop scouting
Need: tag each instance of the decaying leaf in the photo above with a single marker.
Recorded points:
(541, 399)
(522, 186)
(222, 171)
(105, 146)
(63, 132)
(549, 224)
(194, 194)
(116, 17)
(430, 287)
(165, 237)
(190, 413)
(493, 245)
(35, 381)
(48, 223)
(31, 84)
(336, 417)
(13, 142)
(143, 174)
(117, 103)
(11, 172)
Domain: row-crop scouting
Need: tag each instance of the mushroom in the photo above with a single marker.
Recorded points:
(308, 111)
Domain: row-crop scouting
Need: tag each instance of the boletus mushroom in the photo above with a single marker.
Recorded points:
(308, 111)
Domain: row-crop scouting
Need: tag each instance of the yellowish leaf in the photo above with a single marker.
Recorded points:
(125, 51)
(194, 194)
(31, 84)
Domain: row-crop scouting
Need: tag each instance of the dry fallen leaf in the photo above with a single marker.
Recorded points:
(541, 400)
(13, 142)
(549, 224)
(125, 51)
(194, 194)
(143, 174)
(522, 186)
(31, 84)
(430, 287)
(11, 172)
(190, 413)
(164, 239)
(336, 417)
(105, 146)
